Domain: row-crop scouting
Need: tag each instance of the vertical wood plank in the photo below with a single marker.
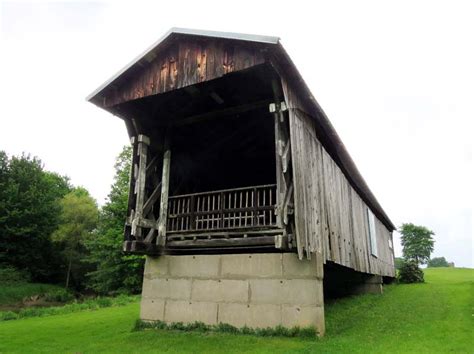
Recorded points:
(165, 179)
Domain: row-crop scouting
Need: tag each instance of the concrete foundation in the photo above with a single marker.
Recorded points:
(254, 290)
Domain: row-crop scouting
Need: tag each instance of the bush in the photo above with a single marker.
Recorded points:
(410, 273)
(8, 315)
(104, 301)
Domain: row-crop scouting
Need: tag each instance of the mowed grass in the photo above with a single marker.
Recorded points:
(435, 317)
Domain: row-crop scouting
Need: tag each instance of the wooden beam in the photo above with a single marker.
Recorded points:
(231, 233)
(286, 157)
(152, 200)
(152, 164)
(223, 242)
(143, 142)
(280, 178)
(288, 196)
(165, 181)
(221, 113)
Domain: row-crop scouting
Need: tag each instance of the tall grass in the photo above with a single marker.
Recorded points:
(11, 293)
(90, 304)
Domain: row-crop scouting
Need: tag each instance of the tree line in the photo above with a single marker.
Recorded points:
(54, 232)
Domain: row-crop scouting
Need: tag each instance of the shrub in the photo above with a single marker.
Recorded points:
(226, 328)
(8, 315)
(104, 302)
(410, 273)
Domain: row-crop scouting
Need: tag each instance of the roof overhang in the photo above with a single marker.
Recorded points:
(149, 54)
(286, 66)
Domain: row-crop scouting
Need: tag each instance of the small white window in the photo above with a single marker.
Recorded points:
(372, 233)
(390, 244)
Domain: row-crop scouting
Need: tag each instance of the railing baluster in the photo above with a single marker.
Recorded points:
(188, 211)
(192, 222)
(215, 211)
(255, 207)
(220, 210)
(197, 210)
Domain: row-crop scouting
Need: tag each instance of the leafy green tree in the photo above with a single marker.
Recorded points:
(115, 271)
(29, 214)
(438, 262)
(417, 243)
(79, 216)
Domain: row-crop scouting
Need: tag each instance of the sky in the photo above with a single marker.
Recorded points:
(396, 79)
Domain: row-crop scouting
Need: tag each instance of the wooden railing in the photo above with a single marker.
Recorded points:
(240, 208)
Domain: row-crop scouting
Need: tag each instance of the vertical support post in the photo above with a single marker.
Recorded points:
(143, 143)
(279, 139)
(131, 192)
(165, 181)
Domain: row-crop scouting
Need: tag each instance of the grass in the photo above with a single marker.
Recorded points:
(11, 293)
(88, 304)
(279, 331)
(435, 317)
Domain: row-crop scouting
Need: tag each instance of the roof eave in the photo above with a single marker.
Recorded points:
(182, 31)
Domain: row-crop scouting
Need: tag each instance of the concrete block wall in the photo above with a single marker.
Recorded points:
(256, 290)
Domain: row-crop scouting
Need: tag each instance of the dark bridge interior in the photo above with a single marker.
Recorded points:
(220, 132)
(232, 152)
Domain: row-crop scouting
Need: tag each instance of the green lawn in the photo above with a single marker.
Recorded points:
(435, 317)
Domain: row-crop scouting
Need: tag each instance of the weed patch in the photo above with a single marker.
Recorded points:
(279, 331)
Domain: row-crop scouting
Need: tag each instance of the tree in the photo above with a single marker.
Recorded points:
(29, 213)
(438, 262)
(79, 216)
(417, 243)
(115, 271)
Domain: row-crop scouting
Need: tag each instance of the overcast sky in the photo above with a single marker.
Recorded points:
(396, 78)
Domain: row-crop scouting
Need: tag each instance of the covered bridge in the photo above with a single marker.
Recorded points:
(242, 195)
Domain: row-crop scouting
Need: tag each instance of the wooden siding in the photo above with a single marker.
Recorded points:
(330, 216)
(185, 63)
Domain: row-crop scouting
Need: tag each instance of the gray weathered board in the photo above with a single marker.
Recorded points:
(330, 216)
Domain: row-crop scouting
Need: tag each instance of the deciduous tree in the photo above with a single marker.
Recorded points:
(115, 271)
(417, 243)
(29, 213)
(438, 262)
(79, 216)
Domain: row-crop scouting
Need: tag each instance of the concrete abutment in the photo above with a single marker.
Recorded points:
(253, 290)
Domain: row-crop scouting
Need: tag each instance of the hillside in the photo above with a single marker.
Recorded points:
(435, 317)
